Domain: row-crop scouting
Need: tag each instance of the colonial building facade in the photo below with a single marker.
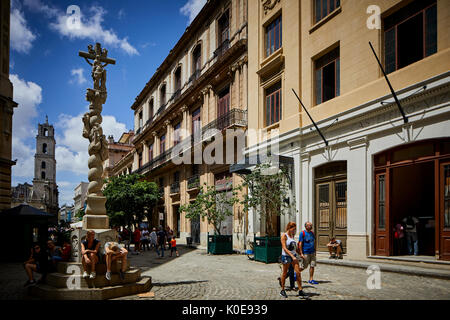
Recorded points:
(7, 106)
(117, 150)
(198, 91)
(365, 167)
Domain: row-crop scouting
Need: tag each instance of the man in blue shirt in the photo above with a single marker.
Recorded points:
(307, 251)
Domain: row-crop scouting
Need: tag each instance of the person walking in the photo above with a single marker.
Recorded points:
(153, 238)
(307, 250)
(173, 247)
(137, 240)
(289, 257)
(410, 223)
(161, 241)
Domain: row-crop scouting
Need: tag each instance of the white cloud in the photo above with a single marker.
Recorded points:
(89, 28)
(21, 37)
(72, 148)
(92, 28)
(78, 76)
(28, 95)
(192, 8)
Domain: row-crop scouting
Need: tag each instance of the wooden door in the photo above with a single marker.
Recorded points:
(331, 212)
(444, 211)
(382, 234)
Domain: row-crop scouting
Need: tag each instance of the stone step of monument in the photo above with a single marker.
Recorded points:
(46, 292)
(100, 268)
(61, 280)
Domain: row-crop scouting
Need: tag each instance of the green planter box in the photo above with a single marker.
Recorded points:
(267, 249)
(220, 244)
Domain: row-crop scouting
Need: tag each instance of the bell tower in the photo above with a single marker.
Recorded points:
(44, 182)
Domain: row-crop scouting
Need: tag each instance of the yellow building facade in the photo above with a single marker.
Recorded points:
(373, 167)
(199, 91)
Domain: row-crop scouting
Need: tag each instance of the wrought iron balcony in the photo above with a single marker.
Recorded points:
(175, 187)
(193, 182)
(220, 51)
(234, 117)
(195, 75)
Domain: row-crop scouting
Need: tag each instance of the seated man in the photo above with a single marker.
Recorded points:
(113, 252)
(90, 251)
(335, 248)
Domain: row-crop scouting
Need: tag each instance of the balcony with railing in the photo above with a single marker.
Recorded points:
(175, 187)
(233, 118)
(220, 51)
(193, 182)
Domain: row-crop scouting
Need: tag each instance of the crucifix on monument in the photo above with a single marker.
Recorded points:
(95, 216)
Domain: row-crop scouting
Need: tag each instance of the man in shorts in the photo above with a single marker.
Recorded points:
(114, 252)
(307, 251)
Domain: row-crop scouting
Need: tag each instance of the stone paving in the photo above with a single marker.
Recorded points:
(199, 276)
(196, 275)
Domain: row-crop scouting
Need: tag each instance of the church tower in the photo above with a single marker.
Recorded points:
(44, 182)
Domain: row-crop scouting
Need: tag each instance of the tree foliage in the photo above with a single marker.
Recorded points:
(268, 191)
(129, 199)
(213, 205)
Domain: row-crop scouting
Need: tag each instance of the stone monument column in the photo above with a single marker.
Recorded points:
(95, 217)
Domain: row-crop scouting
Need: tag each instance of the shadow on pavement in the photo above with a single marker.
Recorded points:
(165, 284)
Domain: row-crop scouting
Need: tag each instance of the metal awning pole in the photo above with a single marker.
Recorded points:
(405, 119)
(315, 125)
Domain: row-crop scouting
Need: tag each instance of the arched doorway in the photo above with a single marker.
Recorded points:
(413, 180)
(330, 203)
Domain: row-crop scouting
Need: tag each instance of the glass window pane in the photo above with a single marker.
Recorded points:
(331, 5)
(381, 202)
(279, 109)
(389, 50)
(338, 80)
(430, 31)
(268, 111)
(276, 35)
(281, 34)
(318, 86)
(317, 5)
(324, 8)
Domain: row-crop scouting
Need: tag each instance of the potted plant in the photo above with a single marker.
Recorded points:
(267, 190)
(215, 206)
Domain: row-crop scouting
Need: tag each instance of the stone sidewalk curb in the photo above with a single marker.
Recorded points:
(425, 272)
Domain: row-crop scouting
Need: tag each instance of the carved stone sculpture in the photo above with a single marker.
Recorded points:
(95, 217)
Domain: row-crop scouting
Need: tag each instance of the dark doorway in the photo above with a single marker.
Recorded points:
(195, 230)
(176, 220)
(413, 193)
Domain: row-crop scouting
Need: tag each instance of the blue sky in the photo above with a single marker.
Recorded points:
(50, 79)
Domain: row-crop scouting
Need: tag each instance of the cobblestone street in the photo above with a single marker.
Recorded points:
(196, 275)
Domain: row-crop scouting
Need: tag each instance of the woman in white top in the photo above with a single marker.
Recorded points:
(289, 257)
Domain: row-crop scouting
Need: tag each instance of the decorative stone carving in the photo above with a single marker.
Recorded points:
(96, 217)
(269, 5)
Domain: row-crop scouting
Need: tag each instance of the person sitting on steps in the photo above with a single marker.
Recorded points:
(335, 248)
(90, 251)
(113, 252)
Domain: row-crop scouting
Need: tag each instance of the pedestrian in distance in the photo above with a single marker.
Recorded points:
(90, 254)
(412, 240)
(137, 240)
(173, 247)
(153, 238)
(289, 257)
(161, 241)
(307, 251)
